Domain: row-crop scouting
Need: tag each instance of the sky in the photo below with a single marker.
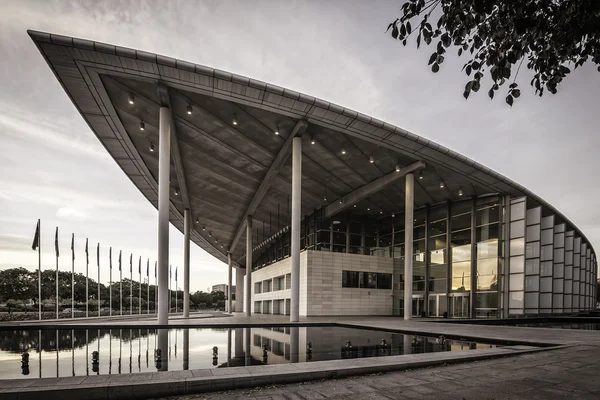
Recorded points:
(53, 167)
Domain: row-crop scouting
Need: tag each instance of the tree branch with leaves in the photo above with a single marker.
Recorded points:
(551, 35)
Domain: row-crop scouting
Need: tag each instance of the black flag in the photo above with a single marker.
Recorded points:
(87, 254)
(175, 274)
(148, 268)
(73, 246)
(98, 254)
(36, 237)
(119, 260)
(110, 256)
(56, 242)
(131, 263)
(140, 265)
(155, 262)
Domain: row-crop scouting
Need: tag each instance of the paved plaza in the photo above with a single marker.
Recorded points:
(567, 370)
(570, 373)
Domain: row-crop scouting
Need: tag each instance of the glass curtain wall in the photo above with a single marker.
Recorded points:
(568, 295)
(460, 244)
(558, 273)
(488, 244)
(546, 264)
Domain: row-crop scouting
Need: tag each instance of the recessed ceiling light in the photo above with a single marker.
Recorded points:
(234, 119)
(442, 185)
(197, 220)
(142, 126)
(420, 175)
(276, 130)
(151, 147)
(189, 109)
(176, 191)
(312, 140)
(371, 160)
(343, 151)
(130, 98)
(460, 192)
(397, 168)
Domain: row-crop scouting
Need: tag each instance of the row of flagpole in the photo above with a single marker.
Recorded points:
(37, 246)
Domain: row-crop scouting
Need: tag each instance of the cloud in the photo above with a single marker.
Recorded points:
(70, 213)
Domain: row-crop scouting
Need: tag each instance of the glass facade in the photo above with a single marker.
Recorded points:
(484, 257)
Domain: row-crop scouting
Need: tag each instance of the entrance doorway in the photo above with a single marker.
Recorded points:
(438, 305)
(418, 305)
(460, 305)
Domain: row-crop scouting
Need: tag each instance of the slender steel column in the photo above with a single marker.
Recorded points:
(408, 245)
(239, 289)
(186, 262)
(164, 164)
(296, 215)
(229, 279)
(248, 265)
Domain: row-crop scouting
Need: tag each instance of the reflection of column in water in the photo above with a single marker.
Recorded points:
(57, 353)
(130, 348)
(228, 345)
(147, 343)
(73, 351)
(140, 348)
(110, 350)
(87, 354)
(97, 369)
(169, 338)
(186, 349)
(162, 363)
(294, 344)
(247, 354)
(120, 348)
(175, 336)
(239, 343)
(40, 351)
(407, 344)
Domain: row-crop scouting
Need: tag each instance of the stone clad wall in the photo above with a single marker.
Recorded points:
(324, 285)
(321, 291)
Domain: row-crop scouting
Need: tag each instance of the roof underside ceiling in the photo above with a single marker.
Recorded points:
(224, 164)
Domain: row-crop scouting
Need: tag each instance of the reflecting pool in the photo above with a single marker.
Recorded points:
(62, 353)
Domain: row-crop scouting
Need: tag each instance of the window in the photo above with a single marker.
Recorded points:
(366, 280)
(350, 279)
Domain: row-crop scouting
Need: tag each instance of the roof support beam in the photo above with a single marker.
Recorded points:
(165, 99)
(271, 174)
(369, 189)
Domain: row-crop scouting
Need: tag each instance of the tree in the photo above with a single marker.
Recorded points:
(500, 35)
(17, 284)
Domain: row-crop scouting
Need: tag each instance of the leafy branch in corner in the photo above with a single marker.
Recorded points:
(551, 35)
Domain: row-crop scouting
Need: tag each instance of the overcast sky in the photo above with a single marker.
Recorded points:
(52, 166)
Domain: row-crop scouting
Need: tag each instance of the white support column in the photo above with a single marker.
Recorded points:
(296, 215)
(248, 265)
(408, 245)
(239, 290)
(186, 262)
(164, 164)
(229, 278)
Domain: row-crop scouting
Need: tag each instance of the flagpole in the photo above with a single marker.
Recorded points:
(37, 246)
(131, 287)
(98, 260)
(73, 275)
(148, 286)
(140, 291)
(87, 283)
(110, 282)
(120, 287)
(56, 248)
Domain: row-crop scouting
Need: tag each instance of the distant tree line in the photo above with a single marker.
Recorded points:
(19, 287)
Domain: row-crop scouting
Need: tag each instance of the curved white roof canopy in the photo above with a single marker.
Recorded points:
(224, 170)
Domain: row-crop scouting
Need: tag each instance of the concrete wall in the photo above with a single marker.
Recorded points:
(328, 297)
(321, 291)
